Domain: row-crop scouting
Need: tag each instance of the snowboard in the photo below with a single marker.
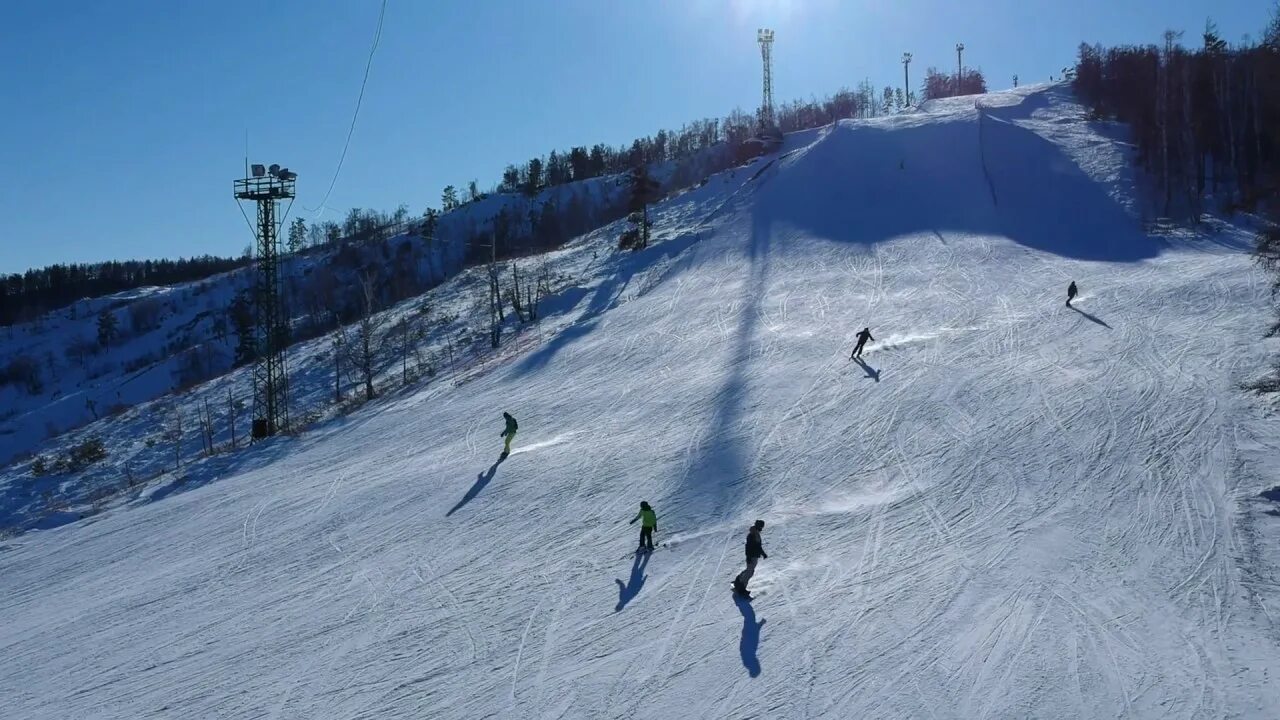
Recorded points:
(637, 551)
(744, 594)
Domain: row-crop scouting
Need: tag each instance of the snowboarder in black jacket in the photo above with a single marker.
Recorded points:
(755, 551)
(1071, 292)
(509, 433)
(863, 337)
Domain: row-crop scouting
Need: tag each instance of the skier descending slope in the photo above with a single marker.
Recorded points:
(1071, 292)
(509, 433)
(863, 337)
(648, 526)
(755, 551)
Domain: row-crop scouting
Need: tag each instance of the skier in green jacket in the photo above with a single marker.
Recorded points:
(648, 524)
(509, 433)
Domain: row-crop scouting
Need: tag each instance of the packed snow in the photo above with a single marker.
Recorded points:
(1009, 508)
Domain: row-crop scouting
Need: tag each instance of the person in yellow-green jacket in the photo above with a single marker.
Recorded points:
(648, 524)
(509, 432)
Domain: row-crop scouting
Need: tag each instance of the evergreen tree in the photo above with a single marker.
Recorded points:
(1213, 43)
(643, 192)
(449, 198)
(107, 326)
(580, 163)
(597, 162)
(557, 169)
(297, 235)
(241, 312)
(533, 182)
(430, 222)
(510, 179)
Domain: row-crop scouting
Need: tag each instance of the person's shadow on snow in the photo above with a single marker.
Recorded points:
(871, 372)
(750, 636)
(632, 588)
(1087, 315)
(482, 479)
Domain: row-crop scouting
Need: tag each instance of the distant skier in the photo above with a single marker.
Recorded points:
(648, 525)
(755, 551)
(509, 433)
(1071, 292)
(863, 337)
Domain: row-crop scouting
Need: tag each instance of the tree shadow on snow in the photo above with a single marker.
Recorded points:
(750, 641)
(871, 372)
(1090, 317)
(604, 297)
(482, 479)
(627, 592)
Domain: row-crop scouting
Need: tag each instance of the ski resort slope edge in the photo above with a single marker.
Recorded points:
(1010, 508)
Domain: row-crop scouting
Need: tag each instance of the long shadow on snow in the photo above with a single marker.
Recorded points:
(1090, 317)
(627, 592)
(605, 297)
(719, 471)
(871, 372)
(207, 470)
(749, 644)
(852, 188)
(482, 479)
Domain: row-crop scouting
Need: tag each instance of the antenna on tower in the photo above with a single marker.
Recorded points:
(764, 36)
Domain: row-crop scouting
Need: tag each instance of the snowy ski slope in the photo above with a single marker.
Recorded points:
(1011, 509)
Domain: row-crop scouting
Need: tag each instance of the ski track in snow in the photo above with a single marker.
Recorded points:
(1010, 509)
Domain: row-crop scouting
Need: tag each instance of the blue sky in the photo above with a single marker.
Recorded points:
(123, 123)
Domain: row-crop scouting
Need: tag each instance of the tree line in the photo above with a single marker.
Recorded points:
(938, 84)
(26, 296)
(1205, 120)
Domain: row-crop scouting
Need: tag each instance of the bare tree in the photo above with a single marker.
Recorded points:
(173, 432)
(525, 293)
(364, 351)
(339, 349)
(231, 416)
(205, 417)
(496, 316)
(409, 332)
(515, 294)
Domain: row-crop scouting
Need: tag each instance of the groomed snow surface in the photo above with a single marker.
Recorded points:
(1010, 509)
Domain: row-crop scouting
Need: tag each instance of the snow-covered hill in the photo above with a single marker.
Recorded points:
(1010, 509)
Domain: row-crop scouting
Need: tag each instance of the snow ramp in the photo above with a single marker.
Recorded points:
(1008, 508)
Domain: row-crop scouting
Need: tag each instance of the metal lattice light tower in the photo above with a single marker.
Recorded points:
(906, 78)
(267, 188)
(959, 67)
(765, 38)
